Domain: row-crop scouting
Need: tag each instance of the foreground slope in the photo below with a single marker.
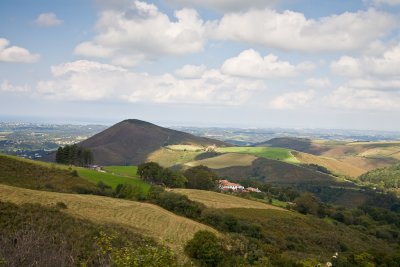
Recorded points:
(39, 175)
(131, 141)
(36, 175)
(222, 201)
(148, 219)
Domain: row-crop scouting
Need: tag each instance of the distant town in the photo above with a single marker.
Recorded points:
(34, 140)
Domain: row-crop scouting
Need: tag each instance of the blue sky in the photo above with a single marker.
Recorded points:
(255, 63)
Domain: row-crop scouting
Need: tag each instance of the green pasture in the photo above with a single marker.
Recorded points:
(111, 179)
(122, 170)
(275, 153)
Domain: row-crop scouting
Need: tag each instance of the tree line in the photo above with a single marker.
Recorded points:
(199, 177)
(74, 155)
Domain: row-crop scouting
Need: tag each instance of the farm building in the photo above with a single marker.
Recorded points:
(226, 185)
(251, 189)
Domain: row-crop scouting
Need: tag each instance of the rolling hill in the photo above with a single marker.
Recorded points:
(334, 165)
(130, 142)
(145, 218)
(277, 172)
(222, 201)
(40, 175)
(352, 158)
(36, 175)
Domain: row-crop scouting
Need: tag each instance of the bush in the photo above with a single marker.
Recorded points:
(179, 204)
(206, 248)
(128, 191)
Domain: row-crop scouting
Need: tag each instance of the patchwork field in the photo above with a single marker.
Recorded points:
(149, 219)
(334, 165)
(170, 157)
(224, 161)
(222, 201)
(281, 154)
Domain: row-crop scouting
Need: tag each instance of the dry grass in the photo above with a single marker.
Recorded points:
(148, 219)
(382, 152)
(168, 157)
(224, 161)
(223, 201)
(334, 165)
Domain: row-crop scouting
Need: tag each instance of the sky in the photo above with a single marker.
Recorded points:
(228, 63)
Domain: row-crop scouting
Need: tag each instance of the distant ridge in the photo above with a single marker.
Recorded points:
(129, 142)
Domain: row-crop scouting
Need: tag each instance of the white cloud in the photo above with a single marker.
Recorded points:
(88, 80)
(375, 84)
(191, 71)
(384, 66)
(250, 63)
(293, 31)
(225, 5)
(92, 50)
(318, 82)
(6, 86)
(386, 2)
(15, 53)
(292, 100)
(48, 20)
(363, 99)
(141, 31)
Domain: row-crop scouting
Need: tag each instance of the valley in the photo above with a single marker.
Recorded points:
(172, 194)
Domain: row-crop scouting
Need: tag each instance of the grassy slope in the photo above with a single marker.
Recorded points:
(277, 172)
(111, 179)
(225, 161)
(334, 165)
(148, 219)
(90, 177)
(281, 154)
(123, 170)
(169, 157)
(298, 235)
(34, 235)
(222, 201)
(29, 174)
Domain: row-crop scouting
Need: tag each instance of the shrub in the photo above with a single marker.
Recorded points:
(179, 204)
(128, 191)
(206, 248)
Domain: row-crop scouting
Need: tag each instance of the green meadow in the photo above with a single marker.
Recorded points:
(122, 170)
(275, 153)
(111, 179)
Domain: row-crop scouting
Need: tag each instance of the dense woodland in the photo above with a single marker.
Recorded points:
(388, 178)
(74, 155)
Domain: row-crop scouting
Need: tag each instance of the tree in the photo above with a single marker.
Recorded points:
(74, 155)
(173, 179)
(206, 248)
(307, 203)
(201, 177)
(150, 172)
